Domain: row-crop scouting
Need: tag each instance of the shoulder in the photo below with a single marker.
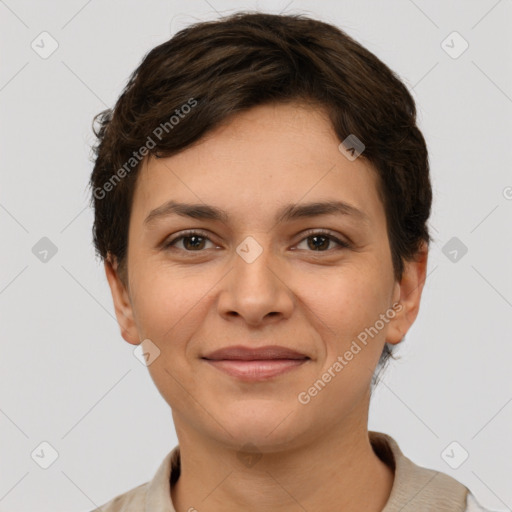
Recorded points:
(472, 505)
(418, 486)
(132, 500)
(152, 495)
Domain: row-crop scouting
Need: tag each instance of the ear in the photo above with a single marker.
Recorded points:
(122, 303)
(408, 294)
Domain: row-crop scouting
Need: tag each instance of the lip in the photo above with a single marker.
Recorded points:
(266, 353)
(256, 370)
(256, 364)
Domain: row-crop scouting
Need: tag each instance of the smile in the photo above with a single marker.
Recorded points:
(256, 370)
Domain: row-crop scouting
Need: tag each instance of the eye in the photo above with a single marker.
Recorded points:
(193, 241)
(321, 239)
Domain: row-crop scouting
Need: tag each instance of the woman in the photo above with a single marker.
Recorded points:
(261, 195)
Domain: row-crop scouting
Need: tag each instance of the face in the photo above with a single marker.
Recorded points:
(262, 273)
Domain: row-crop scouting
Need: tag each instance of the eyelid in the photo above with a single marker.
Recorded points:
(168, 243)
(343, 243)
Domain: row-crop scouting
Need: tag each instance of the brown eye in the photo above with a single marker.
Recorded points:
(319, 241)
(193, 241)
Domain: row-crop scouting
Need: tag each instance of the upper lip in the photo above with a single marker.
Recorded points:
(241, 353)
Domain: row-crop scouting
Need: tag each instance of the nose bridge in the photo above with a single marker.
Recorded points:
(254, 288)
(252, 261)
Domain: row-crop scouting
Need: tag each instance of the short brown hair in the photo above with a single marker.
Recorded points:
(222, 67)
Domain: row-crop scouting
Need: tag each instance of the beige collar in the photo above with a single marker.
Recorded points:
(416, 488)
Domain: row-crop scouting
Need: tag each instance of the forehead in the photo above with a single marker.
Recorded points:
(258, 161)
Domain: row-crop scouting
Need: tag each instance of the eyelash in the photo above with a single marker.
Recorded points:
(190, 233)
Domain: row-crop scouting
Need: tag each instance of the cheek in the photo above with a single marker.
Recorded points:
(346, 299)
(171, 305)
(346, 310)
(168, 307)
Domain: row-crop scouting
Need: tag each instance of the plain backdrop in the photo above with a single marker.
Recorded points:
(69, 379)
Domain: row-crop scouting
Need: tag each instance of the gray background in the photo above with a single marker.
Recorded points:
(67, 376)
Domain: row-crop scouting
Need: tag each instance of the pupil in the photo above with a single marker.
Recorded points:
(196, 238)
(315, 246)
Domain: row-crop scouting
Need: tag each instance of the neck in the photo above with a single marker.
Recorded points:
(338, 470)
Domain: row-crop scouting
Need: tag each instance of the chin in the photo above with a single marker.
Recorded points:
(267, 425)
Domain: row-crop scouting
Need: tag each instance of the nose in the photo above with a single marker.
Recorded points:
(256, 289)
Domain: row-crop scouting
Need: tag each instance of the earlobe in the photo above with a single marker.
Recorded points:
(122, 304)
(410, 288)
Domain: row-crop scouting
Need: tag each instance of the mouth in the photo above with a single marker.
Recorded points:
(260, 364)
(256, 369)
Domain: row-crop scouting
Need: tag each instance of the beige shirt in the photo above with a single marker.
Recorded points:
(415, 488)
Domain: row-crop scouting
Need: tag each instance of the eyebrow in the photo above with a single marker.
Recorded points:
(287, 213)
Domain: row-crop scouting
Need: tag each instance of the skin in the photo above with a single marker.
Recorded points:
(190, 301)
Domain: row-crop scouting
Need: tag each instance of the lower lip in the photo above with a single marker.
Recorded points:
(256, 370)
